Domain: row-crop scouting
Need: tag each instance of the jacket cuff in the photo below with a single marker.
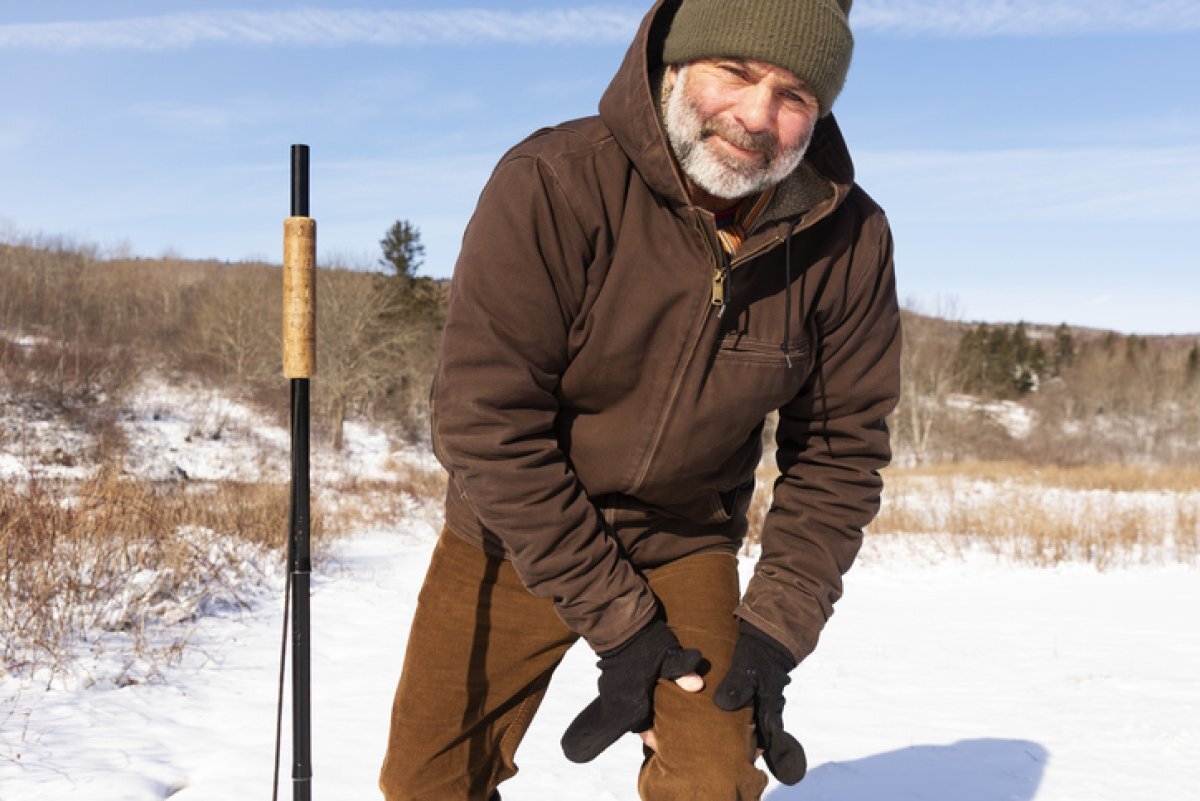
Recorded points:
(785, 657)
(798, 642)
(613, 629)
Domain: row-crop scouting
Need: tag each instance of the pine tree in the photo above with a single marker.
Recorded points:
(402, 249)
(1001, 361)
(1064, 349)
(971, 360)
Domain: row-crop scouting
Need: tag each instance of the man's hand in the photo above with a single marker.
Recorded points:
(627, 678)
(758, 673)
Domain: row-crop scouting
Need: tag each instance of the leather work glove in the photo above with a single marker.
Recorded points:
(628, 674)
(759, 672)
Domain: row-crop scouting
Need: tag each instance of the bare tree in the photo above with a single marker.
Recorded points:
(362, 344)
(236, 323)
(928, 376)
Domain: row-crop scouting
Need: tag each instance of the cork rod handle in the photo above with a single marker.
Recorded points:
(299, 276)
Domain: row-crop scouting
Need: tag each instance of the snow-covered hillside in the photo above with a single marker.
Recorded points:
(942, 677)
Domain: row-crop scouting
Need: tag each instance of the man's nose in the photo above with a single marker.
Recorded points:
(753, 110)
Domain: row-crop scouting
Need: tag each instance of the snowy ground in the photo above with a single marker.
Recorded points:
(967, 681)
(939, 678)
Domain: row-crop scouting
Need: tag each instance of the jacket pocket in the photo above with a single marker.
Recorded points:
(741, 347)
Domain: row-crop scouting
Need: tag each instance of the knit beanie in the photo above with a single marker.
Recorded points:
(809, 38)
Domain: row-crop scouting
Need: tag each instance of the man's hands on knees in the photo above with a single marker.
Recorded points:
(628, 675)
(758, 673)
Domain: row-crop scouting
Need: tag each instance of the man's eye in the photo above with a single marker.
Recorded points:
(797, 98)
(734, 71)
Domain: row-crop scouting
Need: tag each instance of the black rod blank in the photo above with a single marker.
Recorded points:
(299, 540)
(300, 566)
(299, 180)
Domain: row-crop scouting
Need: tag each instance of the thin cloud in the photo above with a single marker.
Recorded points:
(587, 25)
(315, 27)
(986, 18)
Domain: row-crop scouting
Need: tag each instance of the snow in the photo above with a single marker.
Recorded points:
(1016, 419)
(943, 680)
(945, 675)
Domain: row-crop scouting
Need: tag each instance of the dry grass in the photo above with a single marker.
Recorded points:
(114, 555)
(360, 504)
(104, 563)
(1113, 477)
(1106, 516)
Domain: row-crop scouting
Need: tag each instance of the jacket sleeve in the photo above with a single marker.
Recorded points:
(517, 282)
(832, 440)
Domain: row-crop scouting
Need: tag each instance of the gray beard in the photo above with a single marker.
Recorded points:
(717, 175)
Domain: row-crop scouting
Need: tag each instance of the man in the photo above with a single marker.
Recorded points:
(636, 292)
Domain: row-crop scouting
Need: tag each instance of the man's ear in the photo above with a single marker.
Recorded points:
(670, 75)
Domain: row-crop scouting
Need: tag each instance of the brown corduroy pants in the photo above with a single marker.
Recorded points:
(480, 655)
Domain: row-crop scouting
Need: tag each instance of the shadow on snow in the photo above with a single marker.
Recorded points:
(978, 770)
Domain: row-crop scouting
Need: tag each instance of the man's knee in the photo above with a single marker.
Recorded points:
(704, 753)
(714, 776)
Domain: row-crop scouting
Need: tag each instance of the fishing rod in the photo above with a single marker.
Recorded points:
(299, 364)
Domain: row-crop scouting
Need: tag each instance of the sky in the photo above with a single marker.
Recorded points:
(1038, 161)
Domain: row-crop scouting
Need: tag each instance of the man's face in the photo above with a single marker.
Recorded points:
(738, 126)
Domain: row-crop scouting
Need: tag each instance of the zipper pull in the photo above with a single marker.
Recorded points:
(718, 288)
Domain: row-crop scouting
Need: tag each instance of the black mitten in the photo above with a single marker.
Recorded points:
(759, 672)
(627, 678)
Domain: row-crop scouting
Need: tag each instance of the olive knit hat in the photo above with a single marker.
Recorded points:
(809, 38)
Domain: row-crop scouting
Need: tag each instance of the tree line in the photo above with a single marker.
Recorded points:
(1085, 396)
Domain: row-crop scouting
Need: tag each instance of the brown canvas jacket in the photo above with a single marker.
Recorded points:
(599, 414)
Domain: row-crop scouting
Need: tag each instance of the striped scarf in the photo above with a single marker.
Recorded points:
(734, 232)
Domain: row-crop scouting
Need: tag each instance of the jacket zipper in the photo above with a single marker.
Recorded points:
(717, 301)
(720, 266)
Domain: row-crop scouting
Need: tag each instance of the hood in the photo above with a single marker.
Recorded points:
(630, 109)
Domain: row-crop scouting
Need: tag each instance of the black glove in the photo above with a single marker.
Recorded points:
(759, 672)
(627, 678)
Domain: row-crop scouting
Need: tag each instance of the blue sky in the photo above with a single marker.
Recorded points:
(1039, 161)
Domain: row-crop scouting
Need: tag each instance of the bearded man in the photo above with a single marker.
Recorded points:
(636, 293)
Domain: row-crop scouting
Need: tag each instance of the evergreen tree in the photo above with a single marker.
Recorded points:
(1035, 366)
(971, 360)
(1064, 349)
(998, 362)
(1001, 350)
(402, 249)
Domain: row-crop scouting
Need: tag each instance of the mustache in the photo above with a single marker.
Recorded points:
(763, 143)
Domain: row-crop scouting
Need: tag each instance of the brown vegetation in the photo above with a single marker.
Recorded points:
(1105, 516)
(69, 553)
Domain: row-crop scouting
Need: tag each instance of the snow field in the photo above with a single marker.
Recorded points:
(946, 680)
